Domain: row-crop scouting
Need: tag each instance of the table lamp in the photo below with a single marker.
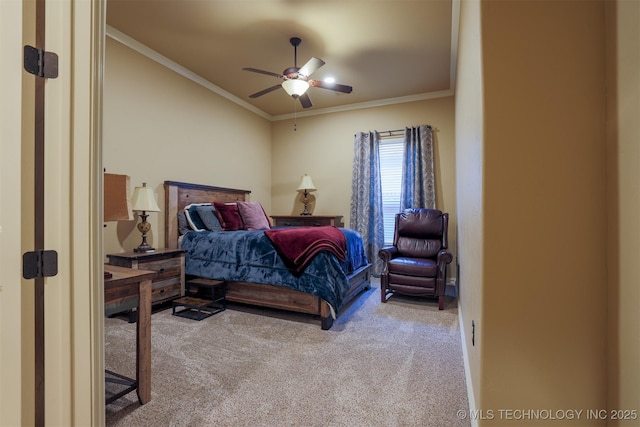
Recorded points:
(143, 201)
(306, 186)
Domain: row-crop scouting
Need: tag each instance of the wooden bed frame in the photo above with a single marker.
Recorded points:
(180, 194)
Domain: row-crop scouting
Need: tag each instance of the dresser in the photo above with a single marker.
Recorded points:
(168, 282)
(307, 220)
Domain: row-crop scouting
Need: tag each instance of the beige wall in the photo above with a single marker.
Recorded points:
(161, 126)
(623, 201)
(322, 146)
(526, 166)
(469, 188)
(545, 223)
(537, 292)
(543, 322)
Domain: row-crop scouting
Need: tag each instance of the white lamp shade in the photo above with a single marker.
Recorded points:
(295, 87)
(143, 199)
(306, 184)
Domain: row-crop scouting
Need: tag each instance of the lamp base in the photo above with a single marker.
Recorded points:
(305, 202)
(144, 249)
(144, 227)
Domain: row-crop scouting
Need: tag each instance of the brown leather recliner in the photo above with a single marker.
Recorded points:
(416, 264)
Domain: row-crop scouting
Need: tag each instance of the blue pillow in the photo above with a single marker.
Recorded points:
(209, 218)
(194, 220)
(183, 224)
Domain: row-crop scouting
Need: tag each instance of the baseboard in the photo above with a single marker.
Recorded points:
(467, 373)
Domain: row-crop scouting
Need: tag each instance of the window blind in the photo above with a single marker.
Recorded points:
(391, 177)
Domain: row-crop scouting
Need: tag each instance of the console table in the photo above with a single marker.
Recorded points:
(126, 289)
(307, 220)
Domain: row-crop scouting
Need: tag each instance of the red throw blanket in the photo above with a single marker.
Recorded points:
(298, 245)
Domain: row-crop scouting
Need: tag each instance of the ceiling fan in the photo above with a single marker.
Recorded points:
(297, 81)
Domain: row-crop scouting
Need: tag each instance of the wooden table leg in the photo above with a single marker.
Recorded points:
(143, 350)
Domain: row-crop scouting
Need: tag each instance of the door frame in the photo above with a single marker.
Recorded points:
(74, 311)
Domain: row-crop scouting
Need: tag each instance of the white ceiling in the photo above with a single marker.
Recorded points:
(387, 50)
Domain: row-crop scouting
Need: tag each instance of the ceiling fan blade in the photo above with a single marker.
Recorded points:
(311, 66)
(268, 73)
(265, 91)
(305, 100)
(331, 86)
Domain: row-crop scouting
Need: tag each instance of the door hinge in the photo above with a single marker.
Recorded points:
(40, 62)
(39, 264)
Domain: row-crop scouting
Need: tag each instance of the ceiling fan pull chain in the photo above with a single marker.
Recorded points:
(295, 115)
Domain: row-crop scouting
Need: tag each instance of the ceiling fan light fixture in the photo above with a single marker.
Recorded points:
(295, 87)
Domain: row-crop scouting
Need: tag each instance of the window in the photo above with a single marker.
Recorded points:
(391, 150)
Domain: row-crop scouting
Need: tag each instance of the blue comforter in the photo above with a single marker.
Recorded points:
(249, 256)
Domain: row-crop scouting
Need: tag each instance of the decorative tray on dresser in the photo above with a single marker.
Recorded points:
(307, 220)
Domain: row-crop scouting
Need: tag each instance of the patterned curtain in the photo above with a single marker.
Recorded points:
(366, 196)
(418, 178)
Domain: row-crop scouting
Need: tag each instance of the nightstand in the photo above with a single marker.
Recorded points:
(168, 283)
(307, 220)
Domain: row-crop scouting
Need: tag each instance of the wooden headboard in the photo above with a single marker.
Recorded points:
(177, 195)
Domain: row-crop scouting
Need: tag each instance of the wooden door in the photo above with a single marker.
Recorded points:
(10, 221)
(71, 390)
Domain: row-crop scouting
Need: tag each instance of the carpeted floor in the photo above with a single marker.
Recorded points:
(393, 364)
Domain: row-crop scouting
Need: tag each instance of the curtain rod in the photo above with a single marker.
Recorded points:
(399, 130)
(390, 133)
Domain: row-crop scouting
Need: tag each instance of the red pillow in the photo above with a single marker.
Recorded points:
(229, 216)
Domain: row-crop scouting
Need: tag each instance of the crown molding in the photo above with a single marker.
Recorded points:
(179, 69)
(368, 104)
(455, 30)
